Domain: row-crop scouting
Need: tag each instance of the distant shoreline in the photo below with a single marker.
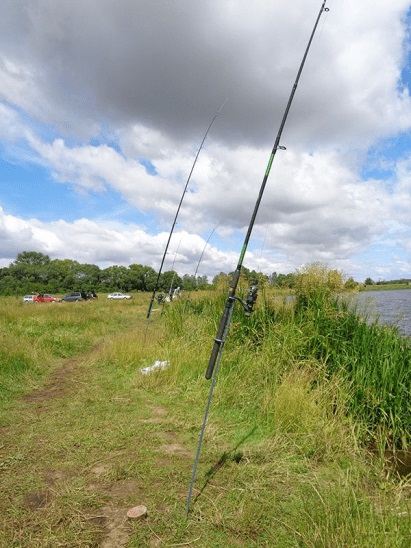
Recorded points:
(385, 287)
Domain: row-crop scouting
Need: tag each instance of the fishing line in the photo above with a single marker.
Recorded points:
(178, 210)
(222, 331)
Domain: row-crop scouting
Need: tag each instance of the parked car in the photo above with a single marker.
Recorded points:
(28, 298)
(74, 296)
(45, 298)
(120, 296)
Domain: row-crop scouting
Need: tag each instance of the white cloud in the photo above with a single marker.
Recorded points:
(108, 243)
(11, 127)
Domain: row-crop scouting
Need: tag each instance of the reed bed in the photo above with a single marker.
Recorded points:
(361, 369)
(375, 363)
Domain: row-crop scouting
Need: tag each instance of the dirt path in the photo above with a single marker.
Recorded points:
(76, 457)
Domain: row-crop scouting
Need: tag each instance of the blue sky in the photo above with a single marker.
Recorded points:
(101, 117)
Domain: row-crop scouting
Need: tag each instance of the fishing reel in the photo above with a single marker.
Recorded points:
(250, 300)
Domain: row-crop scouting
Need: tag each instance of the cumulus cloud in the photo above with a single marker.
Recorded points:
(77, 66)
(118, 97)
(109, 243)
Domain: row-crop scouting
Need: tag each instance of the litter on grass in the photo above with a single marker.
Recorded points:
(157, 365)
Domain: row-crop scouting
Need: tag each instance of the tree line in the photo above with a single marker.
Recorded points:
(401, 281)
(36, 272)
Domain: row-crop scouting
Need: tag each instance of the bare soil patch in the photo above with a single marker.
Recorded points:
(37, 500)
(113, 516)
(59, 385)
(63, 380)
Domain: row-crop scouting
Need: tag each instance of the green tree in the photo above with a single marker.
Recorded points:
(202, 282)
(31, 270)
(64, 275)
(169, 280)
(143, 277)
(116, 278)
(32, 258)
(286, 280)
(221, 281)
(8, 284)
(88, 276)
(189, 282)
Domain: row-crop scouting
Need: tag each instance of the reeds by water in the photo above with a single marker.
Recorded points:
(364, 369)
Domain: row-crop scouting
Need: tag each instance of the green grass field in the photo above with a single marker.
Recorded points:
(307, 404)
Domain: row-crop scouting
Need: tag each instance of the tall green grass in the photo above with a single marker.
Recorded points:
(333, 362)
(374, 362)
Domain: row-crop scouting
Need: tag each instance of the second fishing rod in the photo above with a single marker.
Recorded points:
(150, 307)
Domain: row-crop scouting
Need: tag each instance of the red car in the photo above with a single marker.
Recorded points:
(45, 298)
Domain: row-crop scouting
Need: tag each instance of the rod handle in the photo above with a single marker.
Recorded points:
(221, 333)
(150, 308)
(213, 359)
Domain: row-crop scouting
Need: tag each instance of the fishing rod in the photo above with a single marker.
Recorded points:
(224, 322)
(178, 210)
(200, 259)
(219, 341)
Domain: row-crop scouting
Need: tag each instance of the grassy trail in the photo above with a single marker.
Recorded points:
(92, 437)
(80, 450)
(81, 458)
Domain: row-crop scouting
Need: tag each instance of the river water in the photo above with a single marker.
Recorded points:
(390, 307)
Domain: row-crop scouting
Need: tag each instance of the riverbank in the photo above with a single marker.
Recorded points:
(385, 287)
(86, 436)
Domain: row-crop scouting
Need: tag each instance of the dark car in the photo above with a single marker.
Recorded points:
(74, 296)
